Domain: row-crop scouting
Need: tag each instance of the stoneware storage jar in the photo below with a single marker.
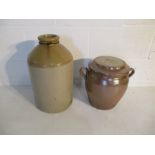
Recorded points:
(106, 80)
(51, 71)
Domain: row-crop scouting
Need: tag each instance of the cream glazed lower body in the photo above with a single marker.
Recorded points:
(52, 87)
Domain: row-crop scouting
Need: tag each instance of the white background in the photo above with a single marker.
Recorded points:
(131, 40)
(81, 144)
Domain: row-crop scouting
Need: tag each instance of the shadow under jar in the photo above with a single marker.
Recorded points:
(106, 80)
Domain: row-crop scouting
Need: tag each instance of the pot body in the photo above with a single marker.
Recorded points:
(104, 92)
(106, 87)
(51, 72)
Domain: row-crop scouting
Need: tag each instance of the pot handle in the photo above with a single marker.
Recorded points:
(83, 72)
(131, 72)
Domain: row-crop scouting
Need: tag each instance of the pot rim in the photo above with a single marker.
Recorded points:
(122, 70)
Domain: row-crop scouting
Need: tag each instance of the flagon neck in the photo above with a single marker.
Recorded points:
(48, 39)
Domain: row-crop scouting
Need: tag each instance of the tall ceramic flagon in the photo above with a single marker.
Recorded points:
(51, 70)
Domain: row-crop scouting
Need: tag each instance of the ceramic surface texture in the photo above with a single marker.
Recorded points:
(106, 81)
(51, 71)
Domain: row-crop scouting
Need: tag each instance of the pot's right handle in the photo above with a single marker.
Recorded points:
(131, 72)
(83, 72)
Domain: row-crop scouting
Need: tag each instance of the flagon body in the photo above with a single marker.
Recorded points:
(51, 71)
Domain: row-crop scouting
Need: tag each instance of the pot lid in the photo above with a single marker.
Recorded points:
(108, 65)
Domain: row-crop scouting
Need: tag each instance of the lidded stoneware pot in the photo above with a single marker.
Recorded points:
(106, 80)
(51, 71)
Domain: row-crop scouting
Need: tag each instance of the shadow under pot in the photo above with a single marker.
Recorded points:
(106, 80)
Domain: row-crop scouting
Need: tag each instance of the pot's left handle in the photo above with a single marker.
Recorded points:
(83, 72)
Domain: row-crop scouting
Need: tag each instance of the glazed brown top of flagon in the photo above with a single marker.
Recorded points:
(49, 52)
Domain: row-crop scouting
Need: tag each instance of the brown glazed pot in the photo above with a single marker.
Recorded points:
(51, 70)
(106, 80)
